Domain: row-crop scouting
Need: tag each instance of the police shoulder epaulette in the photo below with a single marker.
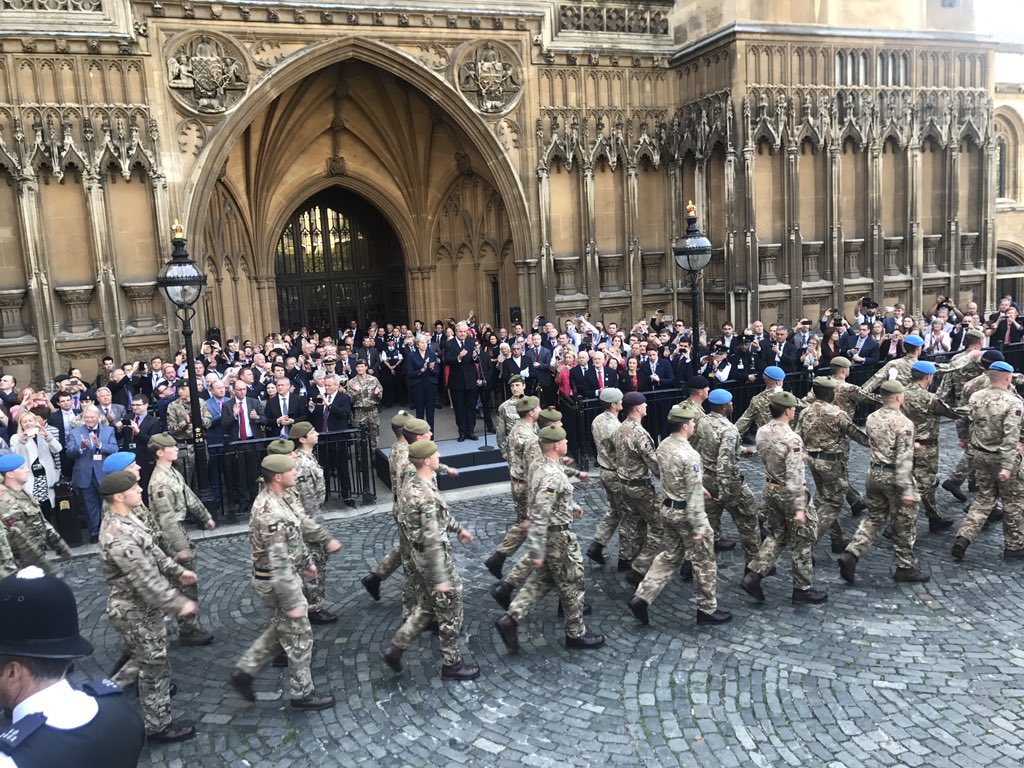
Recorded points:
(102, 687)
(16, 735)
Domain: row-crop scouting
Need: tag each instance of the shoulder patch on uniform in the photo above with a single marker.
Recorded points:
(15, 736)
(8, 521)
(272, 528)
(102, 687)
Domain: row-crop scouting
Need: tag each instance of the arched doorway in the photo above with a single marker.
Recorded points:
(338, 260)
(1009, 270)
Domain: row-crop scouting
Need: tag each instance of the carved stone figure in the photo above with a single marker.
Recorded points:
(491, 79)
(207, 74)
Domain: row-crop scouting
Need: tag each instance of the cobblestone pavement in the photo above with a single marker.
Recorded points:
(882, 675)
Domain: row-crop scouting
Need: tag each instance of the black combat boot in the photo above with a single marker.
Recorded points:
(313, 702)
(464, 670)
(495, 563)
(242, 682)
(848, 567)
(751, 584)
(596, 552)
(639, 608)
(911, 576)
(502, 593)
(960, 548)
(371, 582)
(809, 596)
(588, 642)
(509, 631)
(954, 489)
(716, 617)
(392, 657)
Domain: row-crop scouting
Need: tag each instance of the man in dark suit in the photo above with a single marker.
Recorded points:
(744, 365)
(135, 438)
(369, 354)
(460, 357)
(541, 381)
(335, 412)
(781, 352)
(583, 378)
(801, 335)
(64, 420)
(606, 376)
(149, 379)
(862, 349)
(89, 444)
(242, 419)
(284, 409)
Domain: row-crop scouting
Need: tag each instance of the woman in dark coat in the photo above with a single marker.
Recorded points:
(421, 370)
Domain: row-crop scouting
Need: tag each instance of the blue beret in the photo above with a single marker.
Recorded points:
(913, 340)
(115, 462)
(998, 365)
(774, 372)
(10, 461)
(922, 366)
(720, 397)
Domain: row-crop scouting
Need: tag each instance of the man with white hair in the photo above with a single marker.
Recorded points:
(462, 377)
(88, 445)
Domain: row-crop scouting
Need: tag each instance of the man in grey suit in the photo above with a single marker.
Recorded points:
(88, 445)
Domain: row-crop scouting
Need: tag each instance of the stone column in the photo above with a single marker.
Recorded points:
(544, 208)
(832, 223)
(101, 245)
(140, 297)
(873, 246)
(792, 248)
(674, 179)
(950, 253)
(11, 324)
(915, 246)
(76, 299)
(592, 279)
(39, 286)
(632, 204)
(651, 263)
(565, 269)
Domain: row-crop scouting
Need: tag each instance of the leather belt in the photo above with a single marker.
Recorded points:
(421, 548)
(884, 468)
(825, 455)
(606, 469)
(983, 450)
(673, 504)
(556, 528)
(518, 481)
(260, 574)
(637, 482)
(929, 441)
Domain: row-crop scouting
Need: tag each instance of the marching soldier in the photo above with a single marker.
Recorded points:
(179, 425)
(758, 412)
(508, 415)
(366, 393)
(426, 518)
(892, 494)
(604, 427)
(170, 501)
(787, 504)
(312, 490)
(28, 533)
(686, 526)
(140, 578)
(898, 369)
(554, 549)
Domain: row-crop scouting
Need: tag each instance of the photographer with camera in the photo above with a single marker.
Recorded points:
(867, 310)
(1007, 330)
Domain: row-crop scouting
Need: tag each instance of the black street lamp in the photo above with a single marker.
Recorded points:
(183, 283)
(693, 253)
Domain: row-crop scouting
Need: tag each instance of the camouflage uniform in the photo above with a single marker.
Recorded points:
(552, 540)
(523, 450)
(179, 425)
(785, 493)
(170, 500)
(507, 418)
(757, 412)
(890, 478)
(138, 575)
(312, 491)
(719, 457)
(426, 520)
(965, 467)
(634, 452)
(8, 564)
(826, 431)
(279, 554)
(996, 437)
(28, 533)
(898, 370)
(604, 428)
(955, 375)
(684, 518)
(924, 409)
(366, 393)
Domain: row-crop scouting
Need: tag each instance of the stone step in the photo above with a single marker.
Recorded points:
(472, 458)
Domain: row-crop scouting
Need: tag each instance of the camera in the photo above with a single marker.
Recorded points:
(838, 322)
(318, 400)
(668, 318)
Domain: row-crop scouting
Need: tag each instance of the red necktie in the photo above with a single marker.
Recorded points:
(243, 433)
(600, 379)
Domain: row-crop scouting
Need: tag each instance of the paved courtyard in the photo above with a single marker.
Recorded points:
(882, 675)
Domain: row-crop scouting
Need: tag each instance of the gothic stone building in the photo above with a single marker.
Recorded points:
(421, 159)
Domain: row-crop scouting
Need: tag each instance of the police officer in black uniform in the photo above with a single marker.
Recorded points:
(53, 723)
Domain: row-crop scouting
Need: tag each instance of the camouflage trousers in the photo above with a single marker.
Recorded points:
(737, 498)
(853, 496)
(295, 636)
(990, 488)
(516, 534)
(144, 634)
(679, 544)
(189, 624)
(370, 419)
(316, 593)
(562, 570)
(885, 504)
(964, 467)
(446, 607)
(390, 562)
(413, 585)
(926, 470)
(617, 517)
(641, 502)
(831, 483)
(785, 532)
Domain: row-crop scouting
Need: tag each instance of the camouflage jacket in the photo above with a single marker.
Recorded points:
(28, 532)
(891, 440)
(995, 423)
(277, 545)
(365, 393)
(782, 454)
(523, 449)
(848, 397)
(898, 369)
(634, 452)
(757, 412)
(826, 427)
(136, 570)
(550, 503)
(311, 486)
(603, 429)
(924, 409)
(398, 459)
(170, 500)
(681, 480)
(719, 449)
(955, 374)
(426, 519)
(977, 384)
(507, 417)
(8, 565)
(179, 419)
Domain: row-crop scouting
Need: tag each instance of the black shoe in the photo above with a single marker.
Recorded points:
(472, 437)
(912, 575)
(809, 596)
(639, 608)
(596, 552)
(96, 540)
(960, 548)
(509, 631)
(954, 489)
(772, 572)
(972, 484)
(495, 563)
(433, 627)
(625, 565)
(718, 617)
(1013, 554)
(175, 732)
(936, 524)
(586, 643)
(321, 617)
(995, 516)
(848, 567)
(686, 571)
(461, 671)
(502, 593)
(839, 546)
(561, 611)
(633, 578)
(858, 509)
(242, 682)
(280, 661)
(313, 702)
(462, 439)
(724, 545)
(392, 657)
(371, 583)
(751, 584)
